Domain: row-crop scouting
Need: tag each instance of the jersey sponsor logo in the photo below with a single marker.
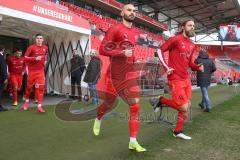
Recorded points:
(184, 54)
(35, 52)
(183, 45)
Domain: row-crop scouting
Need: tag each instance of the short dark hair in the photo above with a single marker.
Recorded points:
(17, 50)
(202, 52)
(1, 49)
(38, 34)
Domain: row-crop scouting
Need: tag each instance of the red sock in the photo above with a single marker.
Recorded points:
(39, 92)
(169, 103)
(134, 120)
(15, 92)
(181, 119)
(28, 91)
(102, 109)
(36, 93)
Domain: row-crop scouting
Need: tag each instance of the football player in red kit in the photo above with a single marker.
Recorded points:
(118, 45)
(35, 58)
(16, 69)
(181, 52)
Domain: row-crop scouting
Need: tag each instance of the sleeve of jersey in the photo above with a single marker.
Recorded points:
(193, 65)
(24, 65)
(167, 45)
(109, 37)
(27, 55)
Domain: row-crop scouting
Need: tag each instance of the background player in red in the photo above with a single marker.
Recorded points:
(16, 69)
(181, 50)
(35, 58)
(118, 45)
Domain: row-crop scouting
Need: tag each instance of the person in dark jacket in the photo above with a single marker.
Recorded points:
(3, 76)
(204, 79)
(92, 75)
(77, 69)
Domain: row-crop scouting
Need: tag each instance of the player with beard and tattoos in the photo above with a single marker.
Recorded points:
(118, 44)
(181, 50)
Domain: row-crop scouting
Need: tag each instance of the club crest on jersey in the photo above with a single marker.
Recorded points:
(44, 49)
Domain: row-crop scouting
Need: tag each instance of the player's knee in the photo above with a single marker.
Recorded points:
(178, 102)
(15, 88)
(132, 101)
(189, 104)
(36, 86)
(107, 105)
(134, 108)
(29, 87)
(110, 100)
(184, 108)
(40, 87)
(102, 108)
(136, 100)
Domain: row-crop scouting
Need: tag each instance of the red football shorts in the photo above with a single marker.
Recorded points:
(16, 80)
(36, 77)
(181, 91)
(126, 89)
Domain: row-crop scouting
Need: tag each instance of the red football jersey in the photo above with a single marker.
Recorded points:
(117, 39)
(16, 65)
(181, 50)
(32, 52)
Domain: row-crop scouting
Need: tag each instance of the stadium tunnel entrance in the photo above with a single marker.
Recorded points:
(19, 25)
